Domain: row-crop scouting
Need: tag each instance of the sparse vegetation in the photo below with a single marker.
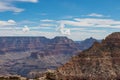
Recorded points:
(50, 76)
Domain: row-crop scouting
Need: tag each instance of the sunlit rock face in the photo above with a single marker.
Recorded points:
(100, 62)
(113, 40)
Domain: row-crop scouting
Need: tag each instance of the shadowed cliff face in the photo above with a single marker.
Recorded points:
(28, 55)
(87, 43)
(30, 43)
(100, 62)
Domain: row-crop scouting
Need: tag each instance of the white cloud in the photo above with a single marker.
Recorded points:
(78, 26)
(7, 23)
(92, 22)
(41, 28)
(25, 29)
(95, 15)
(75, 23)
(88, 26)
(74, 35)
(26, 22)
(63, 30)
(67, 32)
(47, 20)
(7, 5)
(77, 29)
(11, 21)
(29, 33)
(47, 25)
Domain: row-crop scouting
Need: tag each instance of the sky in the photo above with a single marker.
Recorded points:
(76, 19)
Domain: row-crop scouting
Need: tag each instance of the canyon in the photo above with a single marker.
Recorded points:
(99, 62)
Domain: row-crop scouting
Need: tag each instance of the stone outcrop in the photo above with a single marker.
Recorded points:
(100, 62)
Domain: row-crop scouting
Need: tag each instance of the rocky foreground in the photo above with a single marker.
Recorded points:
(100, 62)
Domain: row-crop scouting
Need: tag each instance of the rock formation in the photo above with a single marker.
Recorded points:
(100, 62)
(87, 43)
(30, 55)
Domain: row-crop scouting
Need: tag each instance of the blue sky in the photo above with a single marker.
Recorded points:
(76, 19)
